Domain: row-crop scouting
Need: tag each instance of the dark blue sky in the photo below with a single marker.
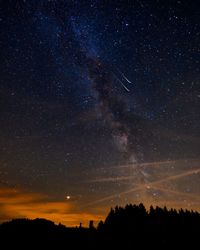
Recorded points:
(88, 85)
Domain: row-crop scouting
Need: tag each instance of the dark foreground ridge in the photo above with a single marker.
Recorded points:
(131, 227)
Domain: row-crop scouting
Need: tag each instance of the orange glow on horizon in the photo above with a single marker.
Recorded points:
(20, 204)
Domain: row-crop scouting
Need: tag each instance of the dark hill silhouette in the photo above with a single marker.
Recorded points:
(131, 227)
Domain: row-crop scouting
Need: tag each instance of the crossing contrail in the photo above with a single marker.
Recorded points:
(150, 164)
(148, 186)
(138, 165)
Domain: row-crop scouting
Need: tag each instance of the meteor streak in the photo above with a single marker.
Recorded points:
(122, 83)
(124, 76)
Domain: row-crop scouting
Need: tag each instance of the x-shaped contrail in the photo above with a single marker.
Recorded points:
(148, 186)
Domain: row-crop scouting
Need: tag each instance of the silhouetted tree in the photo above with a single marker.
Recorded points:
(124, 228)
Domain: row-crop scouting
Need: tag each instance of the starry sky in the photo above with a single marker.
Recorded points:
(99, 106)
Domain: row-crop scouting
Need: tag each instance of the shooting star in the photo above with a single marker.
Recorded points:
(123, 75)
(128, 90)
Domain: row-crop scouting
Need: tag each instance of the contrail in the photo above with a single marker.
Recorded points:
(141, 187)
(176, 192)
(112, 179)
(153, 164)
(122, 83)
(177, 176)
(176, 204)
(145, 164)
(139, 165)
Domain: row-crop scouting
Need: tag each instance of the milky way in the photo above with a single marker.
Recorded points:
(100, 103)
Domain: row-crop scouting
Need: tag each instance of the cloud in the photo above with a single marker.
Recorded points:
(20, 204)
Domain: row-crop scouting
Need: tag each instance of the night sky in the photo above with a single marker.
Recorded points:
(99, 106)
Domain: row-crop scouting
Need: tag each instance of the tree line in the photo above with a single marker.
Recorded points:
(129, 227)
